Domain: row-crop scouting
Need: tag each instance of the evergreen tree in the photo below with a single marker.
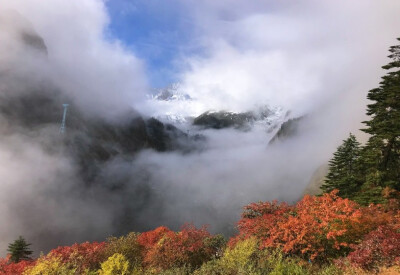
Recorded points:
(19, 250)
(344, 169)
(384, 126)
(371, 190)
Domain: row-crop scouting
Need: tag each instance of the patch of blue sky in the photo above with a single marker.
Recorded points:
(157, 31)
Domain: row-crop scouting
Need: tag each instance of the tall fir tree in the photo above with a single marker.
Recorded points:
(344, 169)
(19, 250)
(384, 126)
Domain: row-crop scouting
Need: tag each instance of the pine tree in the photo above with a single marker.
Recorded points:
(384, 125)
(344, 169)
(372, 188)
(19, 250)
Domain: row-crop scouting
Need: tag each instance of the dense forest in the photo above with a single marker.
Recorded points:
(353, 227)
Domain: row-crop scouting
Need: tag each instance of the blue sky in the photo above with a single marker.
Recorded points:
(156, 31)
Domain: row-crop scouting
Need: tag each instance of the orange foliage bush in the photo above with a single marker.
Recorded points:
(316, 227)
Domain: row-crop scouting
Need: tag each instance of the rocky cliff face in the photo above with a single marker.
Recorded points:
(92, 140)
(18, 36)
(221, 119)
(288, 129)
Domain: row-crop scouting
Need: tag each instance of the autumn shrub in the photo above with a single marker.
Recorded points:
(275, 262)
(374, 216)
(213, 267)
(50, 265)
(183, 270)
(330, 269)
(246, 257)
(150, 238)
(241, 256)
(8, 267)
(84, 256)
(315, 228)
(116, 264)
(165, 249)
(126, 245)
(380, 247)
(390, 270)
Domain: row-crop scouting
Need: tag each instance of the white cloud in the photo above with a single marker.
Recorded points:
(99, 74)
(300, 56)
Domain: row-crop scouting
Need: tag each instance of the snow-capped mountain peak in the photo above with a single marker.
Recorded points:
(171, 93)
(174, 105)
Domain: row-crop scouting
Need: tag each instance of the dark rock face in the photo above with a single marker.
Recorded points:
(222, 119)
(34, 40)
(164, 95)
(241, 121)
(22, 30)
(92, 141)
(288, 129)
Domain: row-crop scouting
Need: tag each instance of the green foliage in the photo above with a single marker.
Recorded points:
(384, 126)
(370, 193)
(19, 250)
(117, 264)
(344, 169)
(213, 267)
(177, 271)
(276, 263)
(215, 243)
(329, 270)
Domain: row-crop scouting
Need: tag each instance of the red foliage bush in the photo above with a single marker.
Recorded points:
(380, 247)
(10, 268)
(150, 238)
(165, 249)
(84, 255)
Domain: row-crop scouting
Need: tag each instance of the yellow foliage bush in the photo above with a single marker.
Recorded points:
(241, 255)
(125, 245)
(116, 264)
(49, 266)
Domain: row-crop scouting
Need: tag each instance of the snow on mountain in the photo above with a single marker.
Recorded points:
(170, 93)
(174, 105)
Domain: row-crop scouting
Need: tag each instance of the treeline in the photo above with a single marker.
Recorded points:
(352, 228)
(365, 173)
